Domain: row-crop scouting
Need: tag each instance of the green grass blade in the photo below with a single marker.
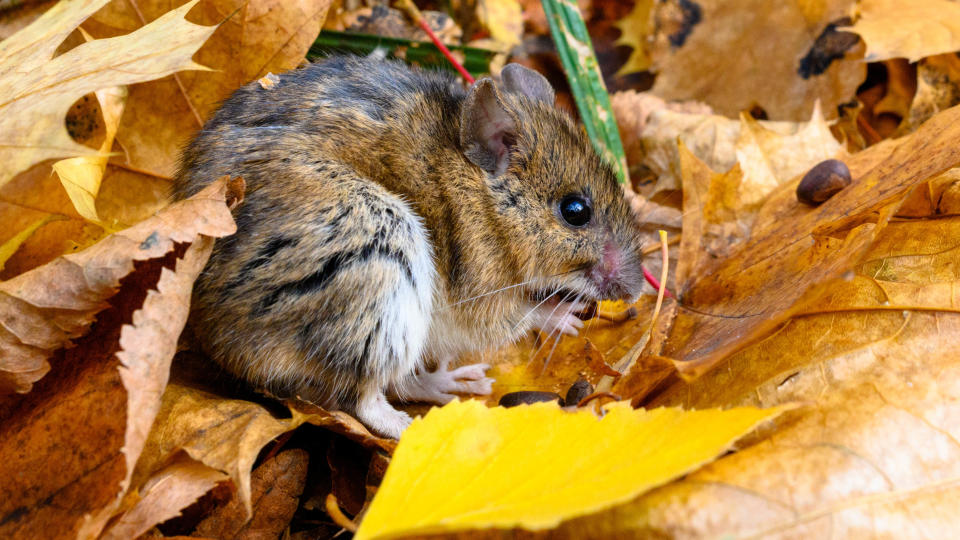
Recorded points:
(580, 64)
(422, 53)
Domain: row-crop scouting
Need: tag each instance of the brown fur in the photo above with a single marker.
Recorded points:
(360, 157)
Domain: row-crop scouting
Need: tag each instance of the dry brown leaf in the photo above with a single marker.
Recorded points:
(780, 56)
(770, 153)
(276, 486)
(911, 30)
(253, 38)
(875, 452)
(125, 198)
(793, 251)
(39, 89)
(224, 434)
(228, 434)
(548, 364)
(938, 88)
(165, 494)
(339, 422)
(92, 418)
(716, 219)
(44, 309)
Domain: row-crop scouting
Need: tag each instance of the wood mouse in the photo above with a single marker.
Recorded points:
(395, 220)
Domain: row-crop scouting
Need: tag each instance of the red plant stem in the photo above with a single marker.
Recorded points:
(446, 52)
(654, 282)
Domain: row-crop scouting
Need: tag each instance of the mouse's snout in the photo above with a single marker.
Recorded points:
(616, 274)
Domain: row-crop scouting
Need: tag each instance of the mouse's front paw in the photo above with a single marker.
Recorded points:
(559, 318)
(440, 385)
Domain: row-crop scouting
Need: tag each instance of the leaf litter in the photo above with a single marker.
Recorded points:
(840, 318)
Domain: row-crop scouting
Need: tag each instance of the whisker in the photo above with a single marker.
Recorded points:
(549, 333)
(515, 285)
(559, 335)
(532, 310)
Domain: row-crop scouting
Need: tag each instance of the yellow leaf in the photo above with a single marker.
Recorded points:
(503, 19)
(8, 248)
(911, 30)
(81, 176)
(38, 89)
(465, 466)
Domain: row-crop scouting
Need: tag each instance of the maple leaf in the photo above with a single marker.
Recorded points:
(38, 88)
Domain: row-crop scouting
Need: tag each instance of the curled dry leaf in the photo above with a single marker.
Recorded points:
(163, 496)
(39, 89)
(793, 251)
(252, 38)
(228, 434)
(93, 417)
(770, 153)
(710, 51)
(44, 309)
(81, 176)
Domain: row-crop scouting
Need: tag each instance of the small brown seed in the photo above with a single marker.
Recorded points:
(578, 390)
(527, 397)
(823, 181)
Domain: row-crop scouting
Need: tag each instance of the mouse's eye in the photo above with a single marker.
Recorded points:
(575, 210)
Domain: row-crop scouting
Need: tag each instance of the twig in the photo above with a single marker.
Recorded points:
(337, 515)
(663, 280)
(596, 395)
(656, 247)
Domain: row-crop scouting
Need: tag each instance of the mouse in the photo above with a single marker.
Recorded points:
(395, 220)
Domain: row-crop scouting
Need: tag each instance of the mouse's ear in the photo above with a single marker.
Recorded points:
(487, 129)
(522, 80)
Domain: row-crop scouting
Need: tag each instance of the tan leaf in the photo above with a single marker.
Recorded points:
(793, 250)
(39, 88)
(770, 158)
(635, 28)
(938, 88)
(44, 309)
(738, 55)
(770, 153)
(876, 452)
(224, 434)
(125, 198)
(165, 494)
(253, 38)
(911, 30)
(92, 418)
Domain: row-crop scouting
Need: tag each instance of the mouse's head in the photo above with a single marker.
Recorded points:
(566, 223)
